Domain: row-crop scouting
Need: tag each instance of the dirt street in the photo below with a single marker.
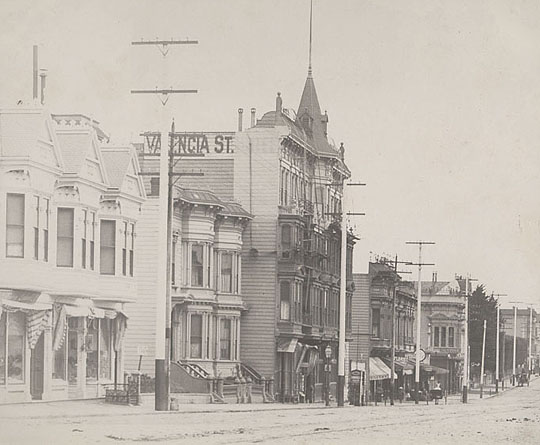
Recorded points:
(513, 417)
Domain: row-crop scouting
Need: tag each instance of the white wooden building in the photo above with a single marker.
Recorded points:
(69, 206)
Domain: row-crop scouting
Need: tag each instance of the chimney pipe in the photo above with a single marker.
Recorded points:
(43, 77)
(253, 117)
(240, 118)
(434, 277)
(279, 102)
(35, 73)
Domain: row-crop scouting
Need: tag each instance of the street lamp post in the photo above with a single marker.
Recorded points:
(327, 367)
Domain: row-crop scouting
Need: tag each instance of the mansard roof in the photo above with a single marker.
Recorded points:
(117, 160)
(29, 133)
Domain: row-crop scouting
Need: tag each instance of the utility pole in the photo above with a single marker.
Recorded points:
(497, 341)
(419, 312)
(483, 359)
(514, 351)
(466, 356)
(343, 295)
(163, 286)
(530, 340)
(393, 339)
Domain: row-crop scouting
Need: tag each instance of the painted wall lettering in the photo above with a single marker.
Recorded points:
(184, 143)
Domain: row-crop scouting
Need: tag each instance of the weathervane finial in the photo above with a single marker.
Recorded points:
(310, 35)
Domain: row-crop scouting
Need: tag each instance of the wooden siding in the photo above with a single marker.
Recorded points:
(257, 190)
(361, 324)
(142, 314)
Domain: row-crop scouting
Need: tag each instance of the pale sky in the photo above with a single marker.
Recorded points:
(437, 103)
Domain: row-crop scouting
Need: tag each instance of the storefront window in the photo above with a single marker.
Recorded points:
(91, 346)
(3, 348)
(73, 349)
(16, 328)
(196, 336)
(59, 371)
(59, 366)
(225, 339)
(105, 349)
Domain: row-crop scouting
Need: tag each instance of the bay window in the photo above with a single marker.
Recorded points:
(285, 300)
(64, 237)
(125, 250)
(196, 336)
(197, 265)
(15, 225)
(46, 229)
(225, 339)
(107, 247)
(286, 240)
(376, 323)
(36, 227)
(131, 248)
(92, 238)
(226, 272)
(84, 238)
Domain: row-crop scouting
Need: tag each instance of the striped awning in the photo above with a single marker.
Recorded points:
(378, 369)
(287, 344)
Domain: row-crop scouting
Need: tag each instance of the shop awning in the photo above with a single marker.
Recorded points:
(378, 369)
(84, 311)
(403, 366)
(433, 369)
(287, 344)
(383, 370)
(19, 305)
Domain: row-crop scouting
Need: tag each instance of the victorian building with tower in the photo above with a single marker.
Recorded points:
(290, 176)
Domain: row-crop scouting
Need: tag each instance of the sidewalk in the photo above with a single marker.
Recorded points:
(98, 407)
